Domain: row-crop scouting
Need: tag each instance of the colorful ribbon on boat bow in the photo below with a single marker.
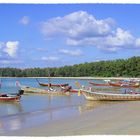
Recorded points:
(79, 92)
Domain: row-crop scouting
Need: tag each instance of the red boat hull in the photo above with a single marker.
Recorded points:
(123, 85)
(54, 85)
(50, 84)
(73, 90)
(9, 99)
(96, 84)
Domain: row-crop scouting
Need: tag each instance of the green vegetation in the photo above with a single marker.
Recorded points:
(115, 68)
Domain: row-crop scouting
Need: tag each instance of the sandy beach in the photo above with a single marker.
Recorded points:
(118, 118)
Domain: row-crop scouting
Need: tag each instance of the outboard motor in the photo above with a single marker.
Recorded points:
(20, 92)
(66, 85)
(68, 88)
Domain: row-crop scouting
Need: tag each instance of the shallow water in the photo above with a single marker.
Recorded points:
(35, 109)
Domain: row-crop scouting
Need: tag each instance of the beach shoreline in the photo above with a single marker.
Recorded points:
(105, 120)
(100, 118)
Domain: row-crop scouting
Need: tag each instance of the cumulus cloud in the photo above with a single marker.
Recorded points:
(71, 52)
(113, 42)
(8, 51)
(77, 25)
(82, 28)
(24, 20)
(121, 39)
(50, 58)
(137, 43)
(11, 48)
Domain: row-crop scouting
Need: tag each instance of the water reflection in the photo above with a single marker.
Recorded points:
(8, 124)
(10, 118)
(18, 118)
(38, 109)
(10, 108)
(14, 117)
(91, 105)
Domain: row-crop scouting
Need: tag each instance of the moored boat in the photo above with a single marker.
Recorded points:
(73, 90)
(50, 84)
(99, 84)
(44, 91)
(102, 96)
(49, 91)
(28, 89)
(124, 85)
(11, 97)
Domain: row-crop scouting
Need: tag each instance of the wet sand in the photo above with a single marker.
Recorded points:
(117, 118)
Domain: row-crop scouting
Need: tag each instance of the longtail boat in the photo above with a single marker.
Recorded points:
(29, 90)
(11, 97)
(101, 96)
(50, 84)
(99, 84)
(124, 85)
(73, 90)
(50, 91)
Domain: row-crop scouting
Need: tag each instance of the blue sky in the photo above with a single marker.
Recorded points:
(54, 35)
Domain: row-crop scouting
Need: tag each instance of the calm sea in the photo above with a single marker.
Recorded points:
(35, 109)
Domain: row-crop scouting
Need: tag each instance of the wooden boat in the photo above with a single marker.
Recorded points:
(99, 84)
(43, 91)
(11, 97)
(73, 90)
(101, 96)
(50, 84)
(124, 85)
(28, 89)
(58, 93)
(6, 97)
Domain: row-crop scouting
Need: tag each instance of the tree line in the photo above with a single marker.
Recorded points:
(114, 68)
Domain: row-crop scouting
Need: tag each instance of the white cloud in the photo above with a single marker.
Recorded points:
(83, 29)
(71, 52)
(50, 58)
(11, 48)
(137, 43)
(24, 20)
(77, 25)
(120, 38)
(112, 42)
